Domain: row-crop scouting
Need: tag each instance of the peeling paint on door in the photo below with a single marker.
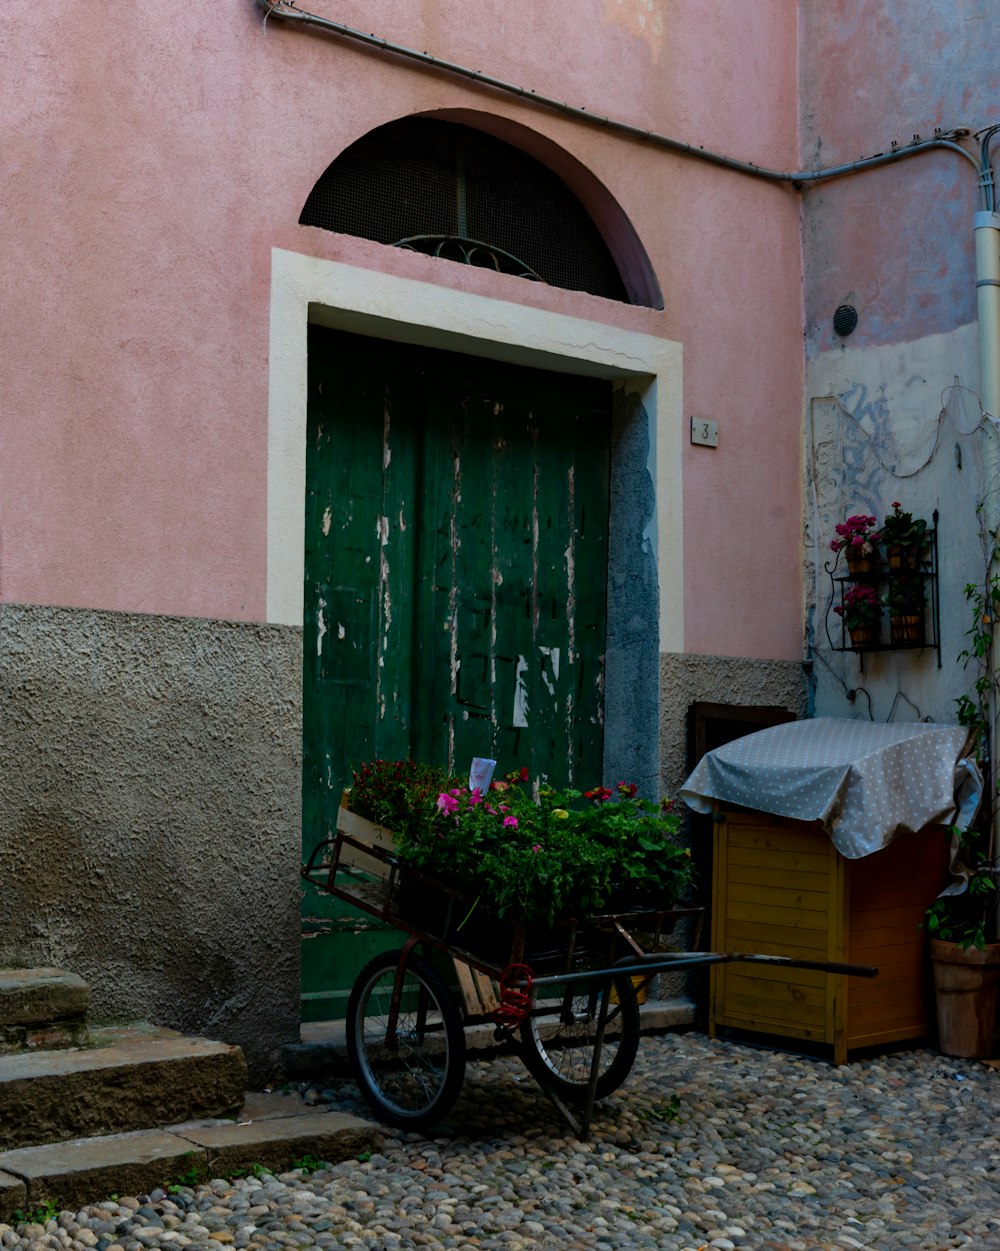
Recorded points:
(520, 718)
(551, 655)
(320, 627)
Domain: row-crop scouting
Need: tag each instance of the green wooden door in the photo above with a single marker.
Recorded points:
(455, 585)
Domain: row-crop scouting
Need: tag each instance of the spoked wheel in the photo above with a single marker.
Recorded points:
(410, 1076)
(557, 1043)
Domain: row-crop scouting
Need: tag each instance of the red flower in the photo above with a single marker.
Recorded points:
(599, 793)
(627, 788)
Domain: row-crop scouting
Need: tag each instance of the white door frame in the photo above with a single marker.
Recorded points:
(305, 289)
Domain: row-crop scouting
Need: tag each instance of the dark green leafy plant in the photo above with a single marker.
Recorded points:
(40, 1215)
(308, 1163)
(901, 529)
(906, 597)
(399, 794)
(968, 917)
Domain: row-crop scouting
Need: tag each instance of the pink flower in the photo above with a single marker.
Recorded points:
(511, 822)
(537, 848)
(475, 797)
(447, 803)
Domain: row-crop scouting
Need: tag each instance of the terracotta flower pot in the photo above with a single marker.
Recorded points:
(901, 557)
(965, 986)
(864, 636)
(908, 629)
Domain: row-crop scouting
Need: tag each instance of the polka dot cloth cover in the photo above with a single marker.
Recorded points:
(865, 782)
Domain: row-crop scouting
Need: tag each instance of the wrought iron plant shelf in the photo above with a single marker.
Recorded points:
(923, 569)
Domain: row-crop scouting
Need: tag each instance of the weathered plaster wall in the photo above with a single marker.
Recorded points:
(892, 412)
(150, 813)
(155, 162)
(152, 166)
(717, 679)
(896, 422)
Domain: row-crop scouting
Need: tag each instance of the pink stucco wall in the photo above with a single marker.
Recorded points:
(154, 156)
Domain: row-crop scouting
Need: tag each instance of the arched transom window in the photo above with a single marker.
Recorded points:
(452, 191)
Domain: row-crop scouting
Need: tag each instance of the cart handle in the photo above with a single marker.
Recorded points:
(654, 963)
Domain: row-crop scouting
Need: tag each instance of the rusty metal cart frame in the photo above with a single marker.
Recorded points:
(568, 1004)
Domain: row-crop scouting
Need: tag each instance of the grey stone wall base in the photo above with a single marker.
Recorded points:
(686, 679)
(150, 805)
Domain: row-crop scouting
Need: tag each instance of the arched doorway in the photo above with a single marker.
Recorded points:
(457, 531)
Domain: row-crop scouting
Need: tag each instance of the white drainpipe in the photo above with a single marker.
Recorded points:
(987, 227)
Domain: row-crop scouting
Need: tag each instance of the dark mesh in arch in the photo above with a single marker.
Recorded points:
(422, 176)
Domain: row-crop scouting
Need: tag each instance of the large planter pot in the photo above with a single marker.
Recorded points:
(965, 987)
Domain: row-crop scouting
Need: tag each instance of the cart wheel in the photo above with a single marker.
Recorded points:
(557, 1040)
(413, 1080)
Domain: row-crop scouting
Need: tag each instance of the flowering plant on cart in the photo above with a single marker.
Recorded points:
(537, 854)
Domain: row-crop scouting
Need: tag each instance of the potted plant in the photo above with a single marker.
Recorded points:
(903, 537)
(523, 853)
(965, 953)
(859, 540)
(906, 599)
(861, 612)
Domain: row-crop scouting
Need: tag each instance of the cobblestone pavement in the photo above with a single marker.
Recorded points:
(708, 1145)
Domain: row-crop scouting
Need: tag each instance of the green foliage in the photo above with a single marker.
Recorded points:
(554, 854)
(196, 1173)
(46, 1211)
(966, 919)
(399, 794)
(906, 597)
(668, 1111)
(969, 917)
(251, 1170)
(308, 1163)
(901, 529)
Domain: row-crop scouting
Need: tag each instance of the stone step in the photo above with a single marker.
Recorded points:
(42, 1008)
(132, 1077)
(272, 1132)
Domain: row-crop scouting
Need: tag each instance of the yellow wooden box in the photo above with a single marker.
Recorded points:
(780, 887)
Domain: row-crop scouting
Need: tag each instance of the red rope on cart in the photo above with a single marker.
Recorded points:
(515, 1000)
